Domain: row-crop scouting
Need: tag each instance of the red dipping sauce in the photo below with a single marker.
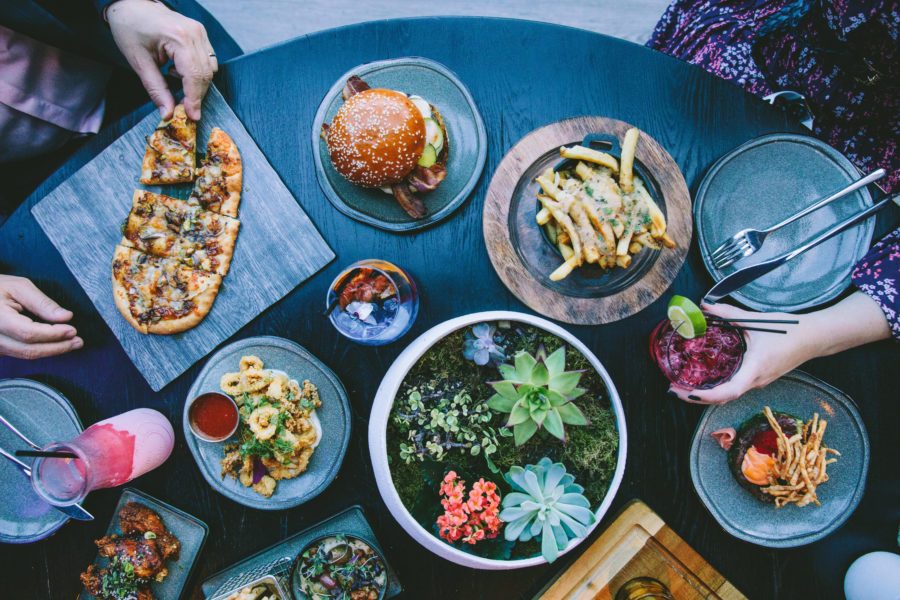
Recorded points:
(701, 363)
(213, 417)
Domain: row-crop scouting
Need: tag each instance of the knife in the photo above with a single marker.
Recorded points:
(742, 277)
(73, 511)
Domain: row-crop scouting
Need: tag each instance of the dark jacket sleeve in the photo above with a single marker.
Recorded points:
(878, 276)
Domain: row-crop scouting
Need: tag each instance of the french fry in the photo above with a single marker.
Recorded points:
(564, 269)
(563, 220)
(635, 247)
(543, 216)
(623, 261)
(563, 237)
(590, 155)
(565, 250)
(629, 145)
(667, 241)
(645, 239)
(622, 246)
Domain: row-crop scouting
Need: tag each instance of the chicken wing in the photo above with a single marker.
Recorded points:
(138, 519)
(141, 553)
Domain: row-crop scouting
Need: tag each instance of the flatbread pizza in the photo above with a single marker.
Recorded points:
(161, 295)
(219, 177)
(170, 154)
(170, 228)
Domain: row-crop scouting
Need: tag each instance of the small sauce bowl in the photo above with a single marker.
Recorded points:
(213, 417)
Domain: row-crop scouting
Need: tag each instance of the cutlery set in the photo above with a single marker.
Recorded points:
(747, 241)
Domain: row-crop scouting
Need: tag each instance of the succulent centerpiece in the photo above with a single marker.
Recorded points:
(502, 441)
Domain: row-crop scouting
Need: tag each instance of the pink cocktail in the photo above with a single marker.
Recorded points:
(109, 453)
(699, 363)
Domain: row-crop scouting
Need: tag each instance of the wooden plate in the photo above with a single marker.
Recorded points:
(639, 544)
(524, 260)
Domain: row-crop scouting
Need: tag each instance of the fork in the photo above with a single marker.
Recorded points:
(747, 241)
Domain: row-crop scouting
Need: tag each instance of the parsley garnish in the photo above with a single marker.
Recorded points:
(589, 191)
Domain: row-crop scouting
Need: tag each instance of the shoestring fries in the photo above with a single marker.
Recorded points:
(800, 463)
(599, 213)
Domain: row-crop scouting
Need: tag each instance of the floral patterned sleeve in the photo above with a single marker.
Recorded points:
(878, 275)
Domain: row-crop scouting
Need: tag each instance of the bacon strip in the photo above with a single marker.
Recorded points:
(408, 200)
(424, 179)
(725, 437)
(354, 86)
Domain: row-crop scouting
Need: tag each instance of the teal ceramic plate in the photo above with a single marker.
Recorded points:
(466, 136)
(190, 531)
(334, 415)
(278, 559)
(747, 518)
(43, 415)
(760, 183)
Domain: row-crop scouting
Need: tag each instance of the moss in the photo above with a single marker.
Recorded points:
(589, 453)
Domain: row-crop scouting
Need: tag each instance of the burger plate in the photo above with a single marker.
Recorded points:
(466, 137)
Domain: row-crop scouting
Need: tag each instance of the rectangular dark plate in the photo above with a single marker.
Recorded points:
(191, 531)
(278, 247)
(277, 559)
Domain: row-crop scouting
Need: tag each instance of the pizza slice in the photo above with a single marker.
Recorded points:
(134, 277)
(170, 154)
(161, 295)
(170, 228)
(218, 184)
(183, 298)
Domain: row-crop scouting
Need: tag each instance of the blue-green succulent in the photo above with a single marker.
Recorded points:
(545, 503)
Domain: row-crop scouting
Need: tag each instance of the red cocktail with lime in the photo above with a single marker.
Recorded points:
(692, 352)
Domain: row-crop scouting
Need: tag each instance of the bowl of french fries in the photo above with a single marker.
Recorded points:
(597, 211)
(587, 220)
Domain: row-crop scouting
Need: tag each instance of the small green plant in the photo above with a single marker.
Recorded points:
(537, 392)
(438, 419)
(545, 503)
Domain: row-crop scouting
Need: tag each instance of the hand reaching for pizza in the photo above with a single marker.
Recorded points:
(149, 34)
(21, 337)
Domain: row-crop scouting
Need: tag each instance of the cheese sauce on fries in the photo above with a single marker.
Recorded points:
(602, 214)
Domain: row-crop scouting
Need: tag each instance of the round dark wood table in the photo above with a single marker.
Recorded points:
(522, 75)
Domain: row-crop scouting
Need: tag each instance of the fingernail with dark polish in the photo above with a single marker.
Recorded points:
(710, 302)
(670, 392)
(693, 397)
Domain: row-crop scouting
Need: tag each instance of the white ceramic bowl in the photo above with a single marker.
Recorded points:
(384, 400)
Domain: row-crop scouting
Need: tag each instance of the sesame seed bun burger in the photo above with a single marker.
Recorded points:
(384, 139)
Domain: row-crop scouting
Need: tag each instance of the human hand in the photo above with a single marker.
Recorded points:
(149, 34)
(21, 337)
(768, 356)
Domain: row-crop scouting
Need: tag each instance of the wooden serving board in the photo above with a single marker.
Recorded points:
(278, 247)
(639, 544)
(504, 224)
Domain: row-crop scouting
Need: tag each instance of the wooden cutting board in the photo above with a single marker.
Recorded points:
(278, 247)
(639, 544)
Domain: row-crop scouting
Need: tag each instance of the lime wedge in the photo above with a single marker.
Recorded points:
(686, 317)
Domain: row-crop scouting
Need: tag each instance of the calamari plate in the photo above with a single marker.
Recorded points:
(334, 415)
(466, 135)
(749, 519)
